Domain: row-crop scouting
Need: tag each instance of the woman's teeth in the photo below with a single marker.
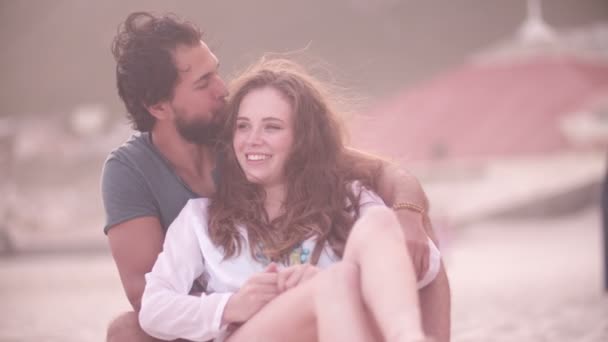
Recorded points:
(257, 156)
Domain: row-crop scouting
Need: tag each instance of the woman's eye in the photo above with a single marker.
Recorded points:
(273, 127)
(241, 126)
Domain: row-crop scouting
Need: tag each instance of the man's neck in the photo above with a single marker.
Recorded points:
(193, 163)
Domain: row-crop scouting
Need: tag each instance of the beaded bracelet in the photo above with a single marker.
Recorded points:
(409, 206)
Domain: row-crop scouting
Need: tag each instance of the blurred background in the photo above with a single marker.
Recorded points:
(499, 107)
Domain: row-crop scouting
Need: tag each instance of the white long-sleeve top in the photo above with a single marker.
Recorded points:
(169, 312)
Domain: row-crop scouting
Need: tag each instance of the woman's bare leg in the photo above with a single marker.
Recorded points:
(327, 307)
(341, 314)
(289, 317)
(388, 282)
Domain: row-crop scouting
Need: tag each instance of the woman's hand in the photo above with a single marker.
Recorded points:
(258, 291)
(295, 275)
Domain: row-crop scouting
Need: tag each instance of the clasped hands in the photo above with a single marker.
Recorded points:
(262, 288)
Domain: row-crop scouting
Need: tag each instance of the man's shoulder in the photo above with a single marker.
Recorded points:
(138, 154)
(136, 147)
(137, 157)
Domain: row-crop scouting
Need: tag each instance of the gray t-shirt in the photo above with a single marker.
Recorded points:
(138, 181)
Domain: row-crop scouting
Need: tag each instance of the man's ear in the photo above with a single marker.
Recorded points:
(160, 110)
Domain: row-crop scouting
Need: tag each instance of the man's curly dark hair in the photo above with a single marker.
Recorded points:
(145, 68)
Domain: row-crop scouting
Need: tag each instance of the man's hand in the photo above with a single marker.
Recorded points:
(399, 186)
(416, 240)
(295, 275)
(258, 291)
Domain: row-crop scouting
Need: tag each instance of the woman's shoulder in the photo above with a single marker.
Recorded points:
(198, 202)
(196, 208)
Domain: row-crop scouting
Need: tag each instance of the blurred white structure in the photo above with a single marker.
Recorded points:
(536, 38)
(520, 129)
(51, 172)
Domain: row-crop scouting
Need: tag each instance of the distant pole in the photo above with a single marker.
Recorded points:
(535, 29)
(605, 227)
(7, 138)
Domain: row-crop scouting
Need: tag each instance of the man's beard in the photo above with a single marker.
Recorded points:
(200, 131)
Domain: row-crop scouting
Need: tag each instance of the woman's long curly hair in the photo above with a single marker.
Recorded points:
(319, 200)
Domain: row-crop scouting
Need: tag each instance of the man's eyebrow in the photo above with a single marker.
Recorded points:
(186, 69)
(206, 75)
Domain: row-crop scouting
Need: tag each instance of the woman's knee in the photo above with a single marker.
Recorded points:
(378, 223)
(126, 327)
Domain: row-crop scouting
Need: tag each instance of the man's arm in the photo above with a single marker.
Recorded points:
(397, 186)
(394, 185)
(133, 226)
(135, 245)
(435, 307)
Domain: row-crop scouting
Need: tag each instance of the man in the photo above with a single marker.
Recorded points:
(168, 79)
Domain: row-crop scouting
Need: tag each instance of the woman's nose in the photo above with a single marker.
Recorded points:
(255, 137)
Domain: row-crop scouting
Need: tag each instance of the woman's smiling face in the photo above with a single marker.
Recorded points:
(264, 136)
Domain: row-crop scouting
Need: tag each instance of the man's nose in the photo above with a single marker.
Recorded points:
(221, 91)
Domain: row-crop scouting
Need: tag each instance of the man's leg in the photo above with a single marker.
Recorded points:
(125, 328)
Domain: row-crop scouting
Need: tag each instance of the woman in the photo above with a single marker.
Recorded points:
(287, 201)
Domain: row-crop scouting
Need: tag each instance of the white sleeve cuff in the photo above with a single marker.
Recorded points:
(434, 265)
(219, 311)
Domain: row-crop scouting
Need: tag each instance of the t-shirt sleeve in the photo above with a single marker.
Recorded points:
(125, 194)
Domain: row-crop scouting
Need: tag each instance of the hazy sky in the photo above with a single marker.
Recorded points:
(56, 54)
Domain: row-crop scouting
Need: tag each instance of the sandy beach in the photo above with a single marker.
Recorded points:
(519, 280)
